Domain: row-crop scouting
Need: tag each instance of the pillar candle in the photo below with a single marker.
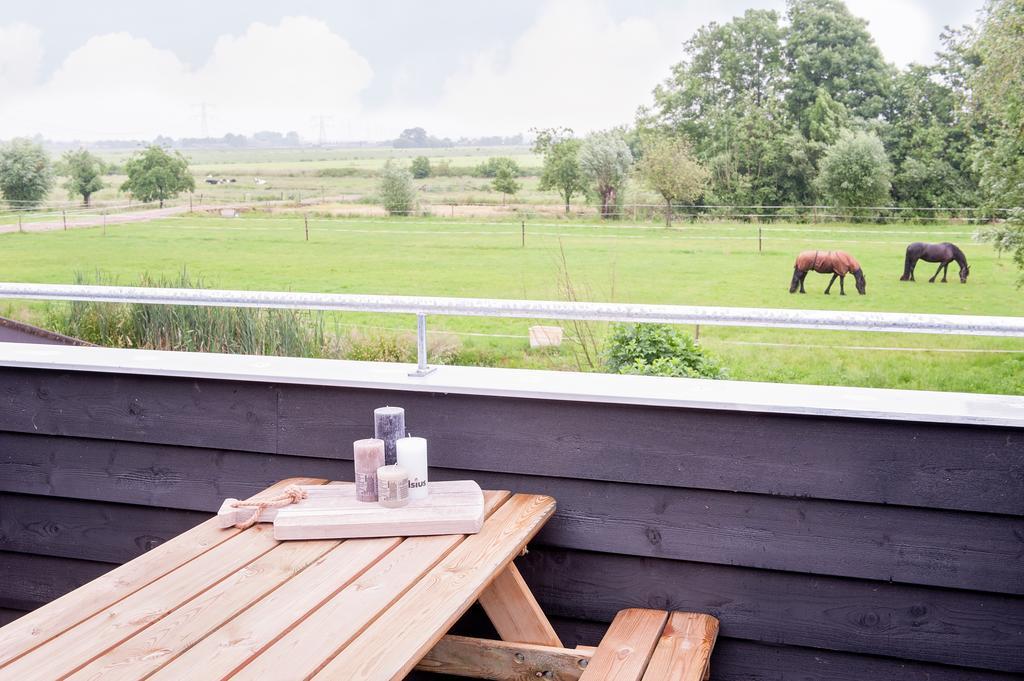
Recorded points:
(389, 425)
(369, 456)
(392, 486)
(412, 456)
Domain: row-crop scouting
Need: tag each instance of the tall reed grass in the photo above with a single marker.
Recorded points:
(253, 331)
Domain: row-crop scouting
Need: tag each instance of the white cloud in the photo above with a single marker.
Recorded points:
(21, 52)
(118, 85)
(903, 29)
(575, 66)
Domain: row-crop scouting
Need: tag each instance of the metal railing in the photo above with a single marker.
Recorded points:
(892, 322)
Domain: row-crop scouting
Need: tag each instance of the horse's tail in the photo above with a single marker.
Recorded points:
(907, 262)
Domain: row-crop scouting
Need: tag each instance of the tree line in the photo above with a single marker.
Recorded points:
(767, 110)
(27, 174)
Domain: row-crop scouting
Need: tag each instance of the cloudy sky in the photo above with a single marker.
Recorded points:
(128, 69)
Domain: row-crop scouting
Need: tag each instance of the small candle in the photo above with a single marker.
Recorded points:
(389, 425)
(369, 456)
(412, 456)
(392, 486)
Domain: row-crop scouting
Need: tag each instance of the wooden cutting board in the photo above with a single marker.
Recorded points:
(332, 512)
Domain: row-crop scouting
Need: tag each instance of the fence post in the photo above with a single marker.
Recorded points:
(104, 214)
(64, 214)
(305, 218)
(190, 202)
(758, 238)
(19, 222)
(421, 347)
(524, 234)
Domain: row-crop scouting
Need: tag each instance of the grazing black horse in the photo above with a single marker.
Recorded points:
(943, 254)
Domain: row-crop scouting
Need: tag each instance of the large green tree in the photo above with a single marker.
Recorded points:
(997, 83)
(561, 171)
(606, 161)
(998, 88)
(928, 141)
(738, 63)
(829, 48)
(26, 174)
(155, 174)
(84, 171)
(668, 167)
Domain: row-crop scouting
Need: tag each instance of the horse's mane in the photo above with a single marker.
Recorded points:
(958, 255)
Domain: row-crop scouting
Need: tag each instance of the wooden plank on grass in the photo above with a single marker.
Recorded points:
(307, 647)
(58, 616)
(684, 650)
(428, 610)
(626, 649)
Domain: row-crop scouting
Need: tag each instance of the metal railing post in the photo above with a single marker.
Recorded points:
(421, 347)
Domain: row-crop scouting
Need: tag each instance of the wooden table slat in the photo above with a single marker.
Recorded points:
(82, 643)
(156, 645)
(306, 648)
(239, 639)
(56, 617)
(426, 612)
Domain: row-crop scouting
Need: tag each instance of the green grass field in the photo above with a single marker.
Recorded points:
(716, 264)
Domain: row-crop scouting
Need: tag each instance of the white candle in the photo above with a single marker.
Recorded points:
(412, 456)
(392, 486)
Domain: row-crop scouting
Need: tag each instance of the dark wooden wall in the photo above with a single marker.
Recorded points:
(829, 548)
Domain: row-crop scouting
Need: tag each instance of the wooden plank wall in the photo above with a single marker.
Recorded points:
(829, 548)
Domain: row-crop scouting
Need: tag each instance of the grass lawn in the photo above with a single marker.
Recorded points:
(715, 264)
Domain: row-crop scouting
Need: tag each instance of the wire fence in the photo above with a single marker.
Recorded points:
(637, 212)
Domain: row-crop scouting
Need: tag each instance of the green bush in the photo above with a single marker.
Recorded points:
(492, 166)
(420, 167)
(657, 350)
(397, 192)
(855, 172)
(338, 172)
(392, 346)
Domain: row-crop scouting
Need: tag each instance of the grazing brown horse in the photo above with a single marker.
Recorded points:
(943, 254)
(836, 263)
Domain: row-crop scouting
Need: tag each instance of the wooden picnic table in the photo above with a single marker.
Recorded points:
(214, 603)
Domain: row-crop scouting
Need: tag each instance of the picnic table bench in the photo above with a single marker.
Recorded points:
(214, 603)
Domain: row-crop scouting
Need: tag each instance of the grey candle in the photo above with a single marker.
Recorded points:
(389, 425)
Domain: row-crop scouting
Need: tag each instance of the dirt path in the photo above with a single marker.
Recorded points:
(99, 220)
(143, 215)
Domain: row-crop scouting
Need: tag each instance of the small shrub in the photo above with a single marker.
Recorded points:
(391, 346)
(420, 167)
(657, 350)
(397, 192)
(337, 172)
(492, 166)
